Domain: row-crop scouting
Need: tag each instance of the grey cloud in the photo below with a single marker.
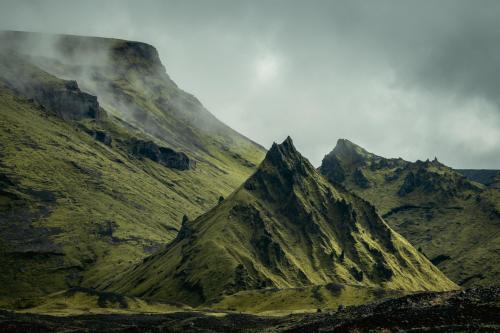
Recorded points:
(415, 79)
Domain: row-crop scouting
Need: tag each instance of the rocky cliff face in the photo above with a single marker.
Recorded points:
(165, 156)
(62, 98)
(422, 177)
(69, 102)
(332, 169)
(132, 84)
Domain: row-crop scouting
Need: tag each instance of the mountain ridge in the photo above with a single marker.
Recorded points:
(452, 219)
(285, 227)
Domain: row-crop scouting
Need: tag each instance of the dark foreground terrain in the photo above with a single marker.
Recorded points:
(472, 310)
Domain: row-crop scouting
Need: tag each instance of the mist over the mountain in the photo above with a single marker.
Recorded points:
(407, 79)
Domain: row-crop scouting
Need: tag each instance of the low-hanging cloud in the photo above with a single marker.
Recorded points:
(415, 79)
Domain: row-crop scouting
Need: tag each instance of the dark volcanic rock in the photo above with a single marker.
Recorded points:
(103, 137)
(360, 179)
(165, 156)
(56, 96)
(332, 169)
(448, 185)
(486, 177)
(137, 55)
(409, 184)
(69, 103)
(350, 153)
(389, 177)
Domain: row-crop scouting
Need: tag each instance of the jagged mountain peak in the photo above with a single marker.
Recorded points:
(283, 169)
(350, 153)
(346, 155)
(352, 165)
(342, 142)
(418, 199)
(284, 155)
(345, 159)
(287, 227)
(286, 149)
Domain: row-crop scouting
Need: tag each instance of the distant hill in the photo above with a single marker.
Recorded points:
(286, 227)
(486, 177)
(454, 221)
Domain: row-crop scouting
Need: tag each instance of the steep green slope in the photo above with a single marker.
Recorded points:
(454, 221)
(83, 192)
(286, 227)
(131, 83)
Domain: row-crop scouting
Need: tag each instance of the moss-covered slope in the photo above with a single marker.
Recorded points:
(85, 192)
(454, 221)
(285, 227)
(131, 83)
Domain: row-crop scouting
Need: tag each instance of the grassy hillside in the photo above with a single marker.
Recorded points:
(81, 301)
(82, 194)
(453, 221)
(286, 227)
(329, 297)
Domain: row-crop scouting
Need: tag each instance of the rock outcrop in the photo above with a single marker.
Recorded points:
(331, 168)
(422, 176)
(165, 156)
(59, 97)
(68, 102)
(360, 178)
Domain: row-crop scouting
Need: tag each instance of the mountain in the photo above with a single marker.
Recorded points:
(483, 176)
(285, 227)
(101, 156)
(454, 221)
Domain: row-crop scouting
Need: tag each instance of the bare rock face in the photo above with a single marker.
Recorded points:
(68, 102)
(332, 169)
(360, 178)
(101, 136)
(347, 161)
(56, 96)
(431, 182)
(351, 154)
(165, 156)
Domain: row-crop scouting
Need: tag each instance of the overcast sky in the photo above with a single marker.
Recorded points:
(412, 79)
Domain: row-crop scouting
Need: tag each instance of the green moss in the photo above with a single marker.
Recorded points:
(306, 299)
(440, 211)
(85, 302)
